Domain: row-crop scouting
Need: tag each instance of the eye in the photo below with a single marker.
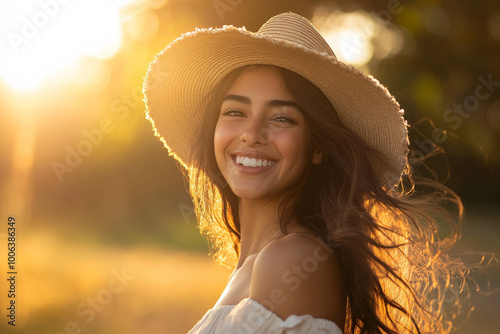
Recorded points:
(284, 119)
(233, 113)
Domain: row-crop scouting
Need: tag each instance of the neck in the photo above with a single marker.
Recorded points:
(259, 225)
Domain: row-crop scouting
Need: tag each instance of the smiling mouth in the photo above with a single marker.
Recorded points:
(253, 162)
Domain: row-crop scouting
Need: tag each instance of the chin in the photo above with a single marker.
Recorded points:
(253, 194)
(248, 194)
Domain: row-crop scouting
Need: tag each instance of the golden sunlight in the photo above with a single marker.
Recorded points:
(43, 37)
(357, 37)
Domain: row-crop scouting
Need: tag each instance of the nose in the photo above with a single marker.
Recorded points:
(254, 133)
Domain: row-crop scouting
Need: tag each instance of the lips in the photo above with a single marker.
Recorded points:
(253, 162)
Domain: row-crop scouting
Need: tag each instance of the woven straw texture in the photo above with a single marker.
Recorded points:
(181, 76)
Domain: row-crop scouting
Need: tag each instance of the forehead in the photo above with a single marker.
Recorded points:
(261, 82)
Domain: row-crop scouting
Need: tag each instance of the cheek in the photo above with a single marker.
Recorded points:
(222, 137)
(294, 147)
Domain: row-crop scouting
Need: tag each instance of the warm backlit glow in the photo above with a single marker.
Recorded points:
(144, 25)
(23, 152)
(357, 37)
(354, 49)
(44, 37)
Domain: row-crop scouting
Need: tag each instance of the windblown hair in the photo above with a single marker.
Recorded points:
(393, 243)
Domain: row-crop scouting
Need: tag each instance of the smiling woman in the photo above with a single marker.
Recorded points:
(298, 171)
(262, 143)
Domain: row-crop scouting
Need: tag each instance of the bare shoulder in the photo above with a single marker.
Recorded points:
(300, 274)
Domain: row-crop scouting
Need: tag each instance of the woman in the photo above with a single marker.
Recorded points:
(298, 171)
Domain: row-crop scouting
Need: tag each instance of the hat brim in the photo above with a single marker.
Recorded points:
(181, 76)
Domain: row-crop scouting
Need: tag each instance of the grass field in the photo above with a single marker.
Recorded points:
(80, 285)
(73, 285)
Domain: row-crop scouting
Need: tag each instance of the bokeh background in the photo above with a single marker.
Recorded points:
(106, 236)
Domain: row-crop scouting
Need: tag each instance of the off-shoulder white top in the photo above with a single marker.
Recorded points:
(251, 317)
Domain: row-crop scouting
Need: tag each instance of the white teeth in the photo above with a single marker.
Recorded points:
(253, 162)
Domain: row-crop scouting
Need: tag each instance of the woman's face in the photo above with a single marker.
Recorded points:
(262, 142)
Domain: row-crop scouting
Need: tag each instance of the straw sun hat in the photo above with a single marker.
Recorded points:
(182, 75)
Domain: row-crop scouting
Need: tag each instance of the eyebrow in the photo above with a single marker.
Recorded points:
(271, 103)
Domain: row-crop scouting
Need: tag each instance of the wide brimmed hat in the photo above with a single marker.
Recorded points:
(185, 72)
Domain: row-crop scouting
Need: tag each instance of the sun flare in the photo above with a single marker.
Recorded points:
(44, 37)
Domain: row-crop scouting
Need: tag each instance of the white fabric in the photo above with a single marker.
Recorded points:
(250, 317)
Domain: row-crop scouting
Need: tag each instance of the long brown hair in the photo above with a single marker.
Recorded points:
(392, 242)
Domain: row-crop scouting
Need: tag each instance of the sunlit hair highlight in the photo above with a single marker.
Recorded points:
(393, 243)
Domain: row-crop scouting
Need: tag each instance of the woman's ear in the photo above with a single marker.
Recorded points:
(317, 156)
